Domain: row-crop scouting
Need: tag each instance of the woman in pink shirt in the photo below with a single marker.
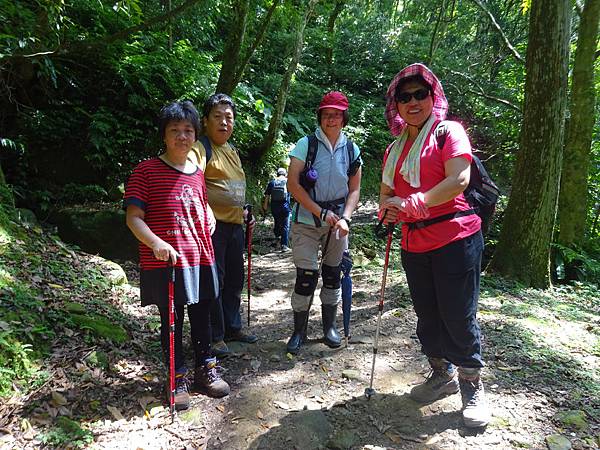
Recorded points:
(426, 169)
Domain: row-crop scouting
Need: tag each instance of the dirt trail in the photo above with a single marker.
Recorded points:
(314, 400)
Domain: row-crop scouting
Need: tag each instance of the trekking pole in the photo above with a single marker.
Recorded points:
(171, 287)
(249, 238)
(390, 233)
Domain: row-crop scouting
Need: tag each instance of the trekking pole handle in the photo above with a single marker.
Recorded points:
(382, 232)
(249, 216)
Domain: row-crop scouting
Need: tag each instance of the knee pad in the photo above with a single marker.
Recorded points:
(306, 281)
(331, 276)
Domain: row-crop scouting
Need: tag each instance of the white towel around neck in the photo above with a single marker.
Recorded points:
(411, 166)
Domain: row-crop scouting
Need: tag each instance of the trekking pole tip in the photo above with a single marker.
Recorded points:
(369, 392)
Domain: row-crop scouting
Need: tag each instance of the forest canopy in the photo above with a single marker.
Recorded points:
(81, 84)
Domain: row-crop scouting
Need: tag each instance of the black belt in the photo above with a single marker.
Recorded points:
(425, 223)
(332, 205)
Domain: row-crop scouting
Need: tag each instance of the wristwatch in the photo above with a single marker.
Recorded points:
(347, 219)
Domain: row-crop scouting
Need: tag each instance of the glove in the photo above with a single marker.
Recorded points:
(415, 206)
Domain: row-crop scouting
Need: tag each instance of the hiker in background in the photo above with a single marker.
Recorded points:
(423, 180)
(226, 189)
(279, 197)
(167, 211)
(324, 178)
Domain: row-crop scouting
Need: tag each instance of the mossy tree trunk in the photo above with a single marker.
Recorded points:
(337, 10)
(523, 250)
(284, 87)
(233, 46)
(572, 206)
(234, 60)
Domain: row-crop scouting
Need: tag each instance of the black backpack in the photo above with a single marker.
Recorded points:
(481, 193)
(206, 143)
(279, 190)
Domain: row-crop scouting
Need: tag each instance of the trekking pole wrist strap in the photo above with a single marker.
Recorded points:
(324, 212)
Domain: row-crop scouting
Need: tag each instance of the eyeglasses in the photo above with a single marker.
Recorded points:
(335, 115)
(419, 94)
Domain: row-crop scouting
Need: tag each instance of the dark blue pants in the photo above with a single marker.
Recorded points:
(229, 244)
(281, 217)
(444, 286)
(198, 315)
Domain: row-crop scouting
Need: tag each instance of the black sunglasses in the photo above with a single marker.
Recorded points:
(419, 94)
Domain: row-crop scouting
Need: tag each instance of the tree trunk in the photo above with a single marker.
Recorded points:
(572, 206)
(523, 250)
(233, 45)
(241, 67)
(284, 88)
(337, 10)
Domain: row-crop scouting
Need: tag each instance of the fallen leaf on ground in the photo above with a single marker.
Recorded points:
(397, 438)
(259, 414)
(509, 368)
(58, 399)
(115, 413)
(221, 408)
(255, 364)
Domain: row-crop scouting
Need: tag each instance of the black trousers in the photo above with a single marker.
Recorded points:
(444, 286)
(199, 317)
(229, 244)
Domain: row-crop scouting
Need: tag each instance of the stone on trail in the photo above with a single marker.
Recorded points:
(361, 340)
(558, 442)
(351, 374)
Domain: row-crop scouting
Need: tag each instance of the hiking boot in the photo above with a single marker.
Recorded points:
(299, 334)
(182, 392)
(208, 381)
(240, 336)
(285, 249)
(440, 382)
(219, 349)
(330, 333)
(476, 412)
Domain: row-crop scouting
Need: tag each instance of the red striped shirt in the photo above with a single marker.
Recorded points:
(175, 205)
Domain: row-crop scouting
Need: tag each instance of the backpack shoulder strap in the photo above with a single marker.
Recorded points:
(311, 154)
(441, 133)
(350, 149)
(207, 147)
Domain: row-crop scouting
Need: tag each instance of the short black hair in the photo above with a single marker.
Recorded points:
(217, 99)
(412, 79)
(345, 113)
(177, 112)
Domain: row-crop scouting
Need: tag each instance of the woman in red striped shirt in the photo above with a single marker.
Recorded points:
(168, 213)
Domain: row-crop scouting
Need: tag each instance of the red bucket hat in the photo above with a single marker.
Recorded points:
(334, 99)
(440, 103)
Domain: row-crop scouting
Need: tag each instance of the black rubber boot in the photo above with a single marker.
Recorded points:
(330, 332)
(299, 335)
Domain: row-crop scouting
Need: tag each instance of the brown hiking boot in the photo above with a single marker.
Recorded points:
(440, 382)
(208, 381)
(476, 412)
(182, 393)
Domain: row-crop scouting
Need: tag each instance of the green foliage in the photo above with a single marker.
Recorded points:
(576, 264)
(100, 326)
(67, 432)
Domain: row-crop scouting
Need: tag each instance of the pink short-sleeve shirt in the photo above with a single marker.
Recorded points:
(433, 160)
